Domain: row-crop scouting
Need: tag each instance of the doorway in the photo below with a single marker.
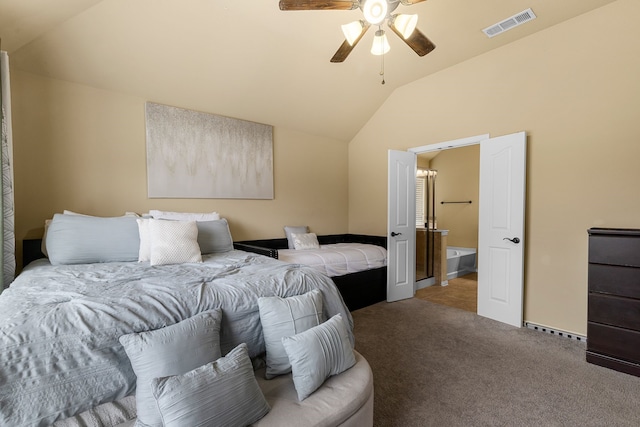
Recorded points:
(501, 224)
(456, 218)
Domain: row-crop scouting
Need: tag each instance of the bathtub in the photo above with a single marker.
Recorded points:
(460, 261)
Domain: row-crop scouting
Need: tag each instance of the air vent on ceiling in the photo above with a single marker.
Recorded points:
(509, 23)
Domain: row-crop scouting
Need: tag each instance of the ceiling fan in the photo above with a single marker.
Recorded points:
(375, 12)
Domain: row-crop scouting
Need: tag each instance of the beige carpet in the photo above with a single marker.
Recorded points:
(439, 366)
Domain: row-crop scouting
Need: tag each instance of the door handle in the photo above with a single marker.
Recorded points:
(514, 240)
(394, 234)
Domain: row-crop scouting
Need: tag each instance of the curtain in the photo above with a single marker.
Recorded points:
(7, 247)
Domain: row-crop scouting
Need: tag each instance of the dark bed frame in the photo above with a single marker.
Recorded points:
(358, 290)
(31, 251)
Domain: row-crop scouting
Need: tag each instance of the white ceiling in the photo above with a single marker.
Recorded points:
(249, 60)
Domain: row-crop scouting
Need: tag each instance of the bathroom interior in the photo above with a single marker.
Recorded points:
(447, 189)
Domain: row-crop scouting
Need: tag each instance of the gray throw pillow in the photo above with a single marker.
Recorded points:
(171, 350)
(80, 239)
(214, 236)
(223, 393)
(317, 354)
(283, 317)
(288, 230)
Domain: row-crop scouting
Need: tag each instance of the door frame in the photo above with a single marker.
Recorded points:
(457, 143)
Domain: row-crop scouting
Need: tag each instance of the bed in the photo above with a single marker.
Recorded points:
(358, 289)
(60, 322)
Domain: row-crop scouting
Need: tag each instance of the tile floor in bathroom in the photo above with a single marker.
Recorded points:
(461, 292)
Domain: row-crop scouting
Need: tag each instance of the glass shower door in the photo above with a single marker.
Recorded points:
(425, 222)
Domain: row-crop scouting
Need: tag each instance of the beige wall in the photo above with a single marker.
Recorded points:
(458, 180)
(83, 149)
(575, 90)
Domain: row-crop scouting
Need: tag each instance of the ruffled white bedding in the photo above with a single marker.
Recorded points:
(338, 259)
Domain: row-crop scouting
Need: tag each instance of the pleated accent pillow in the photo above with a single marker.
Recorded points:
(223, 393)
(317, 354)
(283, 317)
(171, 350)
(173, 242)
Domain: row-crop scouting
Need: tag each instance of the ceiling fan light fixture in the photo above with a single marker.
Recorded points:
(405, 24)
(380, 44)
(352, 31)
(375, 11)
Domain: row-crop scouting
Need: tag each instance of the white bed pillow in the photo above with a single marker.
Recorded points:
(289, 229)
(305, 241)
(184, 216)
(318, 353)
(144, 253)
(68, 212)
(173, 242)
(171, 350)
(43, 244)
(219, 394)
(282, 317)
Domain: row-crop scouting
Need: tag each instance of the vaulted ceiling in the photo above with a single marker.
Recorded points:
(249, 60)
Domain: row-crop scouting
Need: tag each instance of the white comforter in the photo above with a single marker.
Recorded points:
(338, 259)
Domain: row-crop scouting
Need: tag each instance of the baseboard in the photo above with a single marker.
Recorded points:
(425, 283)
(557, 332)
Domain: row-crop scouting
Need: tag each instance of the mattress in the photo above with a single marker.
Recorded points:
(338, 259)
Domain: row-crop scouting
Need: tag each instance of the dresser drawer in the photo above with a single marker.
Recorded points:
(616, 280)
(614, 250)
(611, 341)
(613, 310)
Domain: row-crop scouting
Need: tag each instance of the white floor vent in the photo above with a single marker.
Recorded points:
(509, 23)
(562, 334)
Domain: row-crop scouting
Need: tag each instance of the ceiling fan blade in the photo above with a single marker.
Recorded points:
(345, 48)
(410, 2)
(416, 41)
(318, 5)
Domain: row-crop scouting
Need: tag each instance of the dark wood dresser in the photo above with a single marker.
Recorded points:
(613, 328)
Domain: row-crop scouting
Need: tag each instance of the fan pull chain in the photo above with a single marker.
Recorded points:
(382, 68)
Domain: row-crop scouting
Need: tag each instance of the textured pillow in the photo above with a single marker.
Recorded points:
(288, 230)
(221, 393)
(305, 241)
(79, 239)
(184, 216)
(172, 350)
(173, 242)
(317, 354)
(283, 317)
(214, 236)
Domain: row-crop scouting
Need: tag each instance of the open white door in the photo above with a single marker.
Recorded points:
(401, 226)
(501, 228)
